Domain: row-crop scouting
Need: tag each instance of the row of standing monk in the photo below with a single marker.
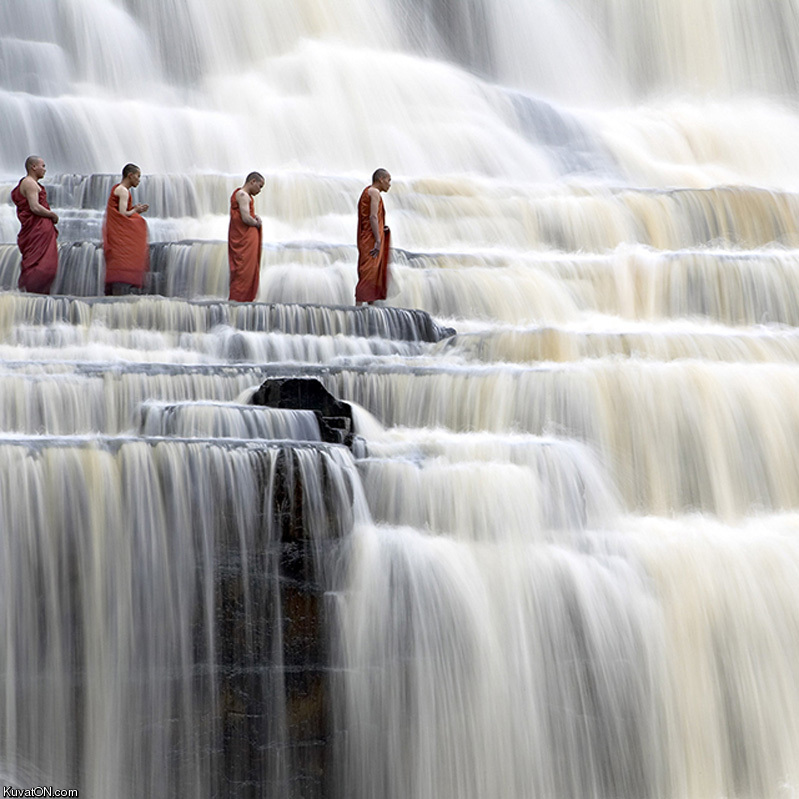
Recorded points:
(126, 250)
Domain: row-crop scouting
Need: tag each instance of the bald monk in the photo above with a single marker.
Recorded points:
(37, 236)
(374, 239)
(127, 256)
(244, 240)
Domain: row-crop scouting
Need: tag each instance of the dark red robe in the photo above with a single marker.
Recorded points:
(127, 256)
(372, 270)
(244, 253)
(37, 241)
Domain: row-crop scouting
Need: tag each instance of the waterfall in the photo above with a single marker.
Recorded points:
(226, 420)
(558, 557)
(139, 578)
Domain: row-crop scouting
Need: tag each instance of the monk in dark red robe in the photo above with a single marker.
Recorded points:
(38, 236)
(244, 240)
(374, 239)
(127, 254)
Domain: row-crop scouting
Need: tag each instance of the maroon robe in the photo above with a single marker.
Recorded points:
(127, 256)
(244, 253)
(37, 242)
(372, 270)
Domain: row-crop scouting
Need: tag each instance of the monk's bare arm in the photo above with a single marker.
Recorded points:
(30, 191)
(374, 220)
(122, 193)
(243, 199)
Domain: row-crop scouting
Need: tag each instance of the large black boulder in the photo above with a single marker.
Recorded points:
(308, 394)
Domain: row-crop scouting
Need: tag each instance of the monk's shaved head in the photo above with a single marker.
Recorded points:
(31, 161)
(255, 176)
(129, 169)
(379, 174)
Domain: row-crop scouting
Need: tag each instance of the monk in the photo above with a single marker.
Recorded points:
(127, 256)
(244, 240)
(38, 235)
(374, 239)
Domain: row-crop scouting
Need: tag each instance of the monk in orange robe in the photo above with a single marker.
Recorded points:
(38, 235)
(244, 240)
(127, 255)
(374, 239)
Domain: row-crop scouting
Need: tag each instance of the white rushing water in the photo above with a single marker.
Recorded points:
(562, 559)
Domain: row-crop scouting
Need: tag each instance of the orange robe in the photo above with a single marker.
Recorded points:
(37, 242)
(127, 256)
(372, 270)
(243, 252)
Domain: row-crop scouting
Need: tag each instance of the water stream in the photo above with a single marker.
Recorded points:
(561, 560)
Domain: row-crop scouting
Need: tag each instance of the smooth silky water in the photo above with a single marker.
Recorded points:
(562, 558)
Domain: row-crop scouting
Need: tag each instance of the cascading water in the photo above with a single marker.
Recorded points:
(561, 560)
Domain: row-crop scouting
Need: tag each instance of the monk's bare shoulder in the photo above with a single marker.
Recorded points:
(243, 199)
(29, 187)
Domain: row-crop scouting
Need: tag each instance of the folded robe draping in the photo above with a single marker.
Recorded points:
(127, 256)
(244, 253)
(37, 240)
(372, 270)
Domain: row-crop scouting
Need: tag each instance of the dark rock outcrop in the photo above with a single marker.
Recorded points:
(308, 394)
